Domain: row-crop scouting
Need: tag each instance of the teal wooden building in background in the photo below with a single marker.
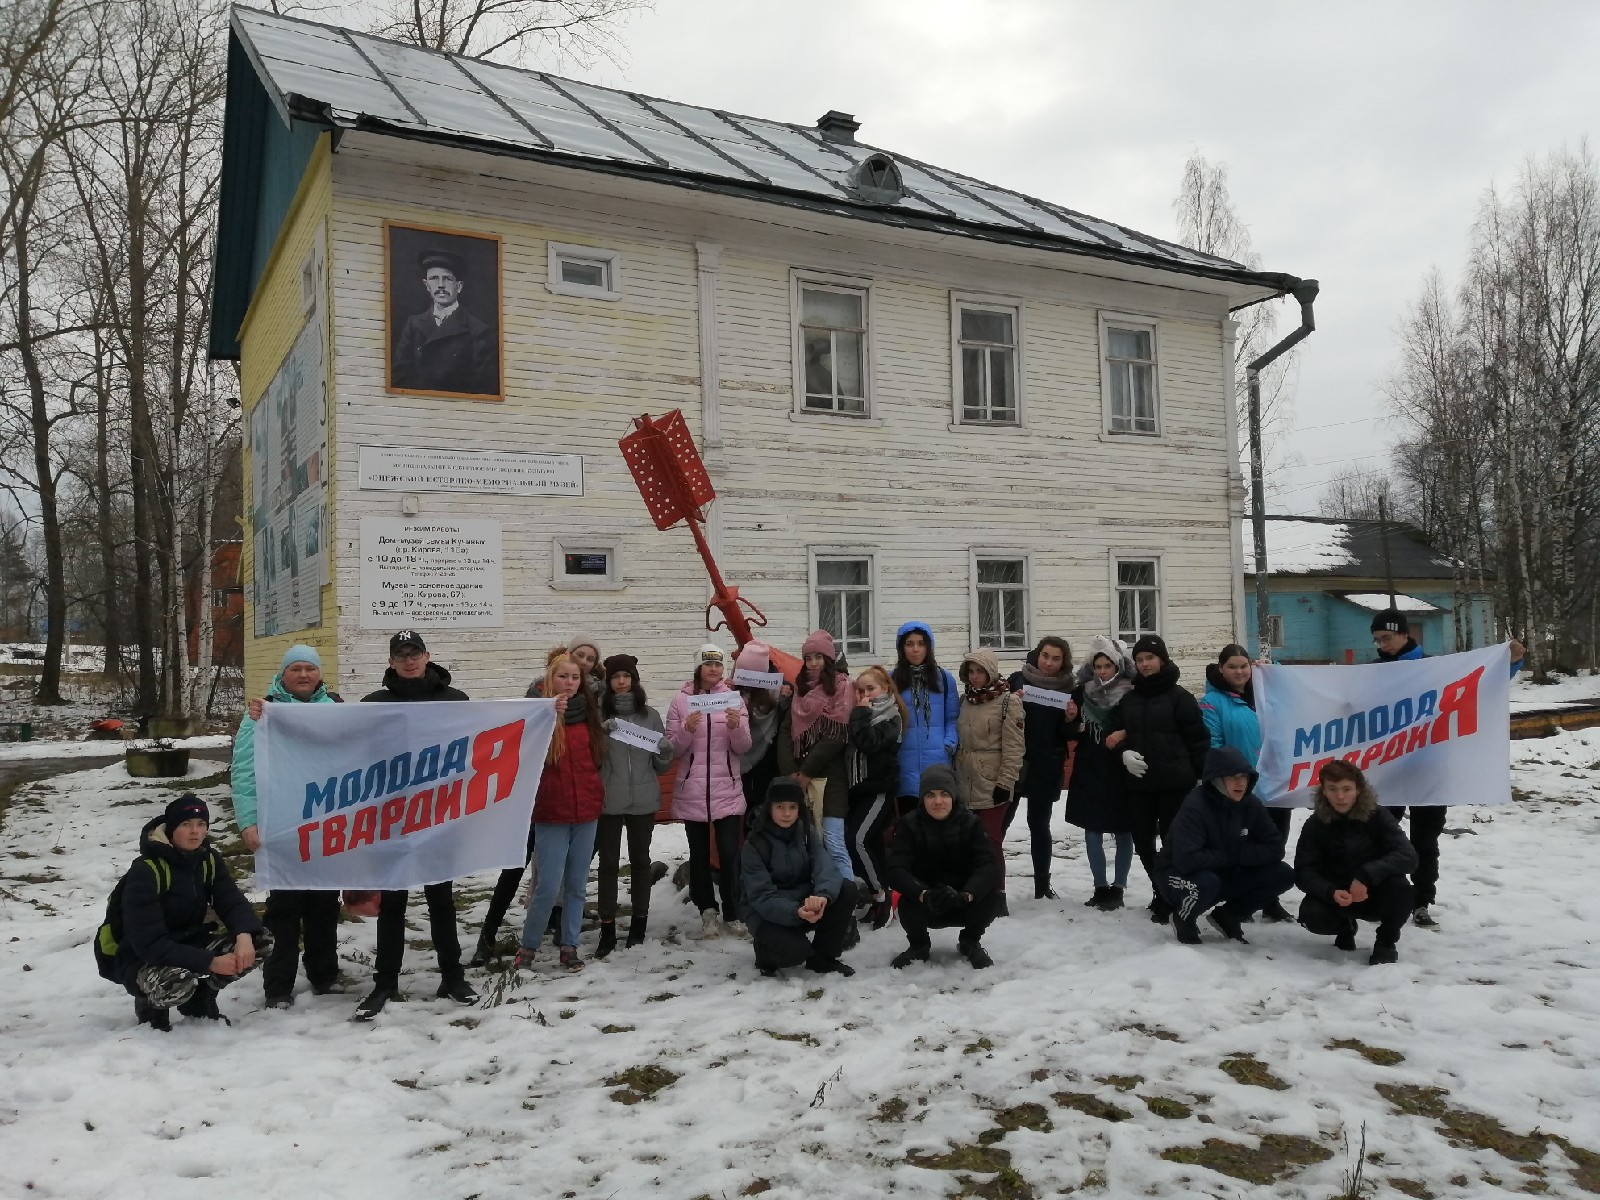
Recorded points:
(1327, 579)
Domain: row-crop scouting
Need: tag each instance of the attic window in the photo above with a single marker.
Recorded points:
(876, 180)
(585, 271)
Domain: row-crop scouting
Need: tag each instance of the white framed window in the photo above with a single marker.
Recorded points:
(1129, 374)
(842, 599)
(1136, 594)
(584, 271)
(986, 337)
(589, 565)
(832, 345)
(1002, 603)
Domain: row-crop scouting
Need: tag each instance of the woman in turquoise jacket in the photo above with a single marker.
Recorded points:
(933, 706)
(1229, 709)
(291, 916)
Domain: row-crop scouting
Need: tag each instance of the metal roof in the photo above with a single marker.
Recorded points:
(345, 79)
(1345, 548)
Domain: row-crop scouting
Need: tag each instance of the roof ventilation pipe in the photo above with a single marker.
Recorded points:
(1306, 293)
(836, 126)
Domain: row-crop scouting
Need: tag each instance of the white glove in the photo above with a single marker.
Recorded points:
(1135, 763)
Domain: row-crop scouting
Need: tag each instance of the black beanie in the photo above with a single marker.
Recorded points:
(785, 790)
(1390, 620)
(938, 778)
(1151, 644)
(185, 808)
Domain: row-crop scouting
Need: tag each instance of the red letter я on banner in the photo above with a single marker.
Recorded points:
(496, 753)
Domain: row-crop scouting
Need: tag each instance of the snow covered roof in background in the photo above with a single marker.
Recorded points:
(1345, 549)
(1379, 601)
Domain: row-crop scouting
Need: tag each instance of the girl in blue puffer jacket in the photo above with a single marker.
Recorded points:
(933, 706)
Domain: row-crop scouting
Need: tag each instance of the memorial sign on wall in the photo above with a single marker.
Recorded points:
(430, 572)
(288, 490)
(498, 472)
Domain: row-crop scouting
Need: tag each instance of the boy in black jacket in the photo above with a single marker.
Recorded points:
(1351, 862)
(1224, 850)
(944, 867)
(169, 955)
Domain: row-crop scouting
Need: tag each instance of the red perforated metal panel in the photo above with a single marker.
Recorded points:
(667, 469)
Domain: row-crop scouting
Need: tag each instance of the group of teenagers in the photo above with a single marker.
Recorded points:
(815, 807)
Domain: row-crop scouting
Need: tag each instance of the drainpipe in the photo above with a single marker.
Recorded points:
(1306, 293)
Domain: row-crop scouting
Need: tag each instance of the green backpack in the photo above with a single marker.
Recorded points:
(109, 936)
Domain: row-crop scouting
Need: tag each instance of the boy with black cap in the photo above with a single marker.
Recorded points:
(943, 864)
(1224, 849)
(413, 677)
(168, 954)
(1391, 634)
(791, 896)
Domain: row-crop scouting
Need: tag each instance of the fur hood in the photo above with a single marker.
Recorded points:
(1366, 804)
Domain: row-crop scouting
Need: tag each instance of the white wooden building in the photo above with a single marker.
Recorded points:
(918, 395)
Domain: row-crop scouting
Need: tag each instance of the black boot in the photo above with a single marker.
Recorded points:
(203, 1005)
(1160, 910)
(1345, 939)
(486, 951)
(1276, 912)
(972, 950)
(636, 931)
(1001, 908)
(1113, 900)
(1226, 922)
(1043, 891)
(149, 1014)
(914, 953)
(608, 939)
(554, 926)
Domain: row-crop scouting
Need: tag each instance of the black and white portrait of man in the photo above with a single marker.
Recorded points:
(444, 312)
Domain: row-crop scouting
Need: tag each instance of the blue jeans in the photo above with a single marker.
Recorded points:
(833, 838)
(561, 856)
(1095, 851)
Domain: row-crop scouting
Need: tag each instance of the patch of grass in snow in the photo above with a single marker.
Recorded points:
(1006, 1184)
(1373, 1054)
(1279, 1155)
(1091, 1105)
(1586, 1173)
(892, 1109)
(616, 1029)
(968, 1157)
(1250, 1070)
(1410, 1187)
(1462, 1126)
(1154, 1031)
(1166, 1107)
(659, 997)
(982, 1046)
(221, 779)
(1018, 1116)
(805, 1039)
(1123, 1083)
(756, 1187)
(640, 1083)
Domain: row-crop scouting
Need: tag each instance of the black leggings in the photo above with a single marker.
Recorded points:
(505, 891)
(1040, 810)
(699, 835)
(1148, 814)
(863, 830)
(608, 847)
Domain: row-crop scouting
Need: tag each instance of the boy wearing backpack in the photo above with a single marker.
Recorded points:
(157, 942)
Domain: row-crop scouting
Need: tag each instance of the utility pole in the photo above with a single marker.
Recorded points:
(1383, 532)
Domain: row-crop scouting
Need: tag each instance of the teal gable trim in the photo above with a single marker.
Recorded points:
(264, 157)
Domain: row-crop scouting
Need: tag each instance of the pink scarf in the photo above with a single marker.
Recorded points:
(817, 716)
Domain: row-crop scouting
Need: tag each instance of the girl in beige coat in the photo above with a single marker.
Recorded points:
(990, 745)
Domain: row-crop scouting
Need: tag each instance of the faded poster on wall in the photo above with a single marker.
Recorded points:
(430, 572)
(288, 490)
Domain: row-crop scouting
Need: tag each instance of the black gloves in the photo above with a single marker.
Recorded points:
(942, 901)
(1002, 796)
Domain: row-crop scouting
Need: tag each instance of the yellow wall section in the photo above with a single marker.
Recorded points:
(274, 320)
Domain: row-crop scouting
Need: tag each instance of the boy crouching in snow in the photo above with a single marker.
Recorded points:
(1224, 849)
(168, 955)
(1351, 862)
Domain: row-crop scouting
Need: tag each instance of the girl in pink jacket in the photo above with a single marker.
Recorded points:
(709, 795)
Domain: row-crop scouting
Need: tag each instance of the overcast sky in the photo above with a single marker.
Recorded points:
(1359, 137)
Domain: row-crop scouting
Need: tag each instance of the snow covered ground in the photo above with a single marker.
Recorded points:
(937, 1081)
(1527, 696)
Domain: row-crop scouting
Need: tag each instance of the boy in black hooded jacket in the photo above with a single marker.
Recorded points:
(1224, 850)
(1351, 862)
(944, 866)
(169, 955)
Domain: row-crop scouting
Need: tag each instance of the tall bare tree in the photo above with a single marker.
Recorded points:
(580, 31)
(1208, 222)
